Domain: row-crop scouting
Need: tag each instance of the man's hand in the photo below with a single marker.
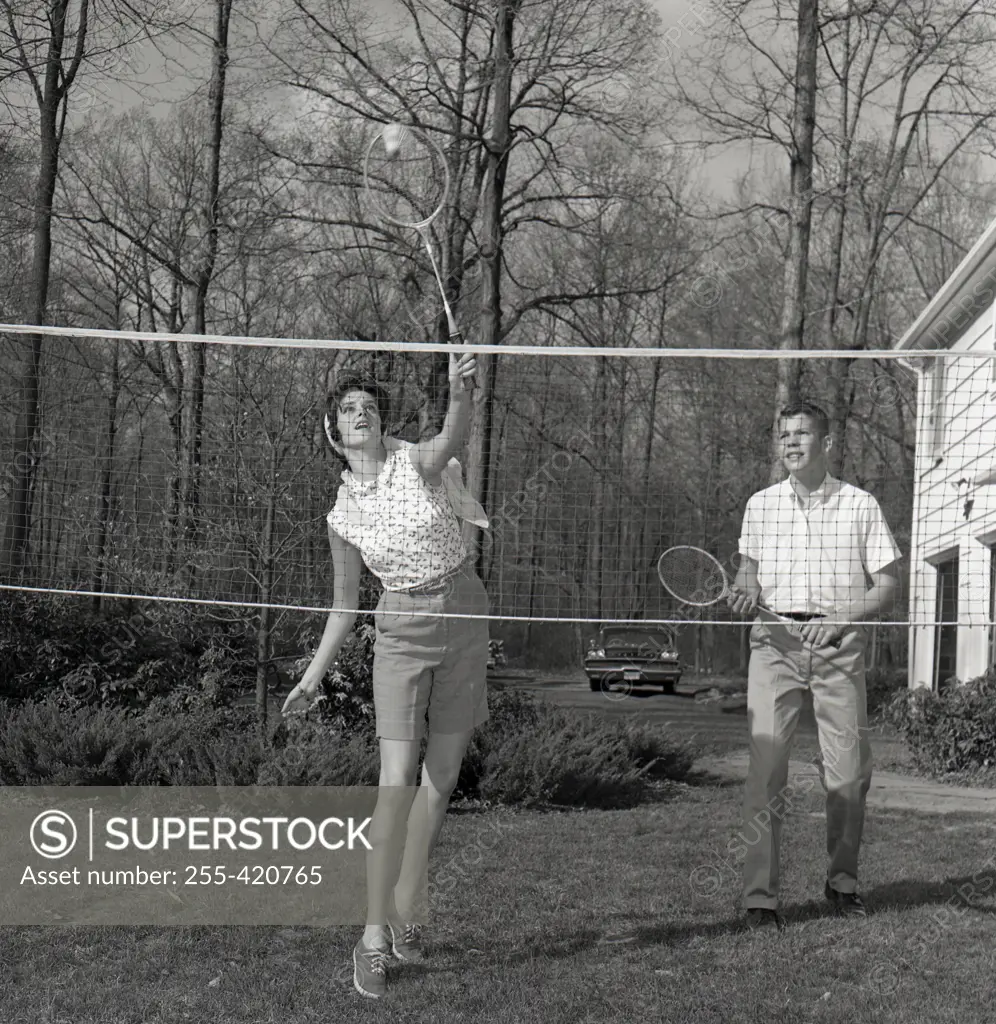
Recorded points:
(462, 367)
(819, 634)
(743, 600)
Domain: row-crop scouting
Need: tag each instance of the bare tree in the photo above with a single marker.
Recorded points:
(46, 50)
(899, 94)
(800, 201)
(44, 47)
(511, 91)
(206, 262)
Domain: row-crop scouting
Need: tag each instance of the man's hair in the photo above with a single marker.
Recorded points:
(810, 409)
(350, 381)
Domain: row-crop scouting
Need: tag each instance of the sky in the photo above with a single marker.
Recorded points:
(160, 86)
(685, 24)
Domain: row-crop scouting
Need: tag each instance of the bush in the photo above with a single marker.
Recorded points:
(308, 753)
(567, 760)
(346, 693)
(881, 685)
(146, 700)
(659, 758)
(528, 753)
(950, 731)
(42, 744)
(199, 745)
(55, 646)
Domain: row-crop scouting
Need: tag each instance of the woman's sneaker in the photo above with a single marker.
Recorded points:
(370, 970)
(406, 942)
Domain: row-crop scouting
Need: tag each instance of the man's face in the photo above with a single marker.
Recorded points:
(801, 444)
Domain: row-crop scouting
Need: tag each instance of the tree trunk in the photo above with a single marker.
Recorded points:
(107, 478)
(204, 277)
(498, 146)
(18, 528)
(645, 558)
(265, 592)
(597, 520)
(792, 324)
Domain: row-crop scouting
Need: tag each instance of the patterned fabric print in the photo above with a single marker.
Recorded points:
(405, 529)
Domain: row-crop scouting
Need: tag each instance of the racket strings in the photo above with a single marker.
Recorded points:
(408, 182)
(692, 578)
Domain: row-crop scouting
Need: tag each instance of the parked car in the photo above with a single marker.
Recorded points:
(629, 654)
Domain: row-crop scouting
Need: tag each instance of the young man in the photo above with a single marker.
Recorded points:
(813, 548)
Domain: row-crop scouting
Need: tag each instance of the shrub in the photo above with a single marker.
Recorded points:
(531, 752)
(510, 713)
(156, 710)
(659, 757)
(881, 685)
(42, 744)
(201, 745)
(346, 692)
(55, 646)
(308, 753)
(950, 731)
(567, 760)
(528, 753)
(496, 654)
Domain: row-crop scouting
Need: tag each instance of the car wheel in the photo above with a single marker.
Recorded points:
(667, 687)
(595, 684)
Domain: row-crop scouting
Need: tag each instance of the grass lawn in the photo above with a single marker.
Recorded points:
(574, 917)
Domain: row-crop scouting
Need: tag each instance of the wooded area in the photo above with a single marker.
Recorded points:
(225, 198)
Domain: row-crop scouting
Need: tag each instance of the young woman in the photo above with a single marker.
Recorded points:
(398, 512)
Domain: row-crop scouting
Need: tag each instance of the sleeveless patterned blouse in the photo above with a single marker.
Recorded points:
(404, 528)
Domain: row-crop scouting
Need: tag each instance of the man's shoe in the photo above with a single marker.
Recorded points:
(760, 918)
(406, 942)
(845, 904)
(370, 970)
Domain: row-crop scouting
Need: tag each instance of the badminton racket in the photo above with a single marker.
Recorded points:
(695, 577)
(407, 181)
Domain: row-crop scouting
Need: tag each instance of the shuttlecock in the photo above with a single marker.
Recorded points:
(394, 136)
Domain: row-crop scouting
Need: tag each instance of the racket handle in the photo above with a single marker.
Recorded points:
(469, 383)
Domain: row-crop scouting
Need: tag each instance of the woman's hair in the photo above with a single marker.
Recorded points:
(344, 383)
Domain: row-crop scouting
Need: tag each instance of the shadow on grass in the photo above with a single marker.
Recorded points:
(914, 892)
(545, 944)
(705, 777)
(539, 946)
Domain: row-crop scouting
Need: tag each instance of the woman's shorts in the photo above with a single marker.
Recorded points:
(427, 664)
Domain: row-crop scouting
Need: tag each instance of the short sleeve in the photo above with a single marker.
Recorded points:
(750, 532)
(878, 547)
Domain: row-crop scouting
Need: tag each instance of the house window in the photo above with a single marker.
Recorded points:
(946, 636)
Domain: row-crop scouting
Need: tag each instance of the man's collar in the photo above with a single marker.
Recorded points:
(822, 492)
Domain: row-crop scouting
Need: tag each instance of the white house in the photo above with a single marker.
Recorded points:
(953, 550)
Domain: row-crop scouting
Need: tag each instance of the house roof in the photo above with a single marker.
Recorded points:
(969, 290)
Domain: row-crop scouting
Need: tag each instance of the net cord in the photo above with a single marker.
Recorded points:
(521, 350)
